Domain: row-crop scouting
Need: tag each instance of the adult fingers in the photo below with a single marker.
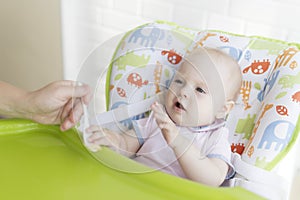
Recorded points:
(66, 125)
(68, 89)
(66, 110)
(70, 116)
(77, 111)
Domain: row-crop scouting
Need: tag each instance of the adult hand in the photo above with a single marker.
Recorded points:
(59, 102)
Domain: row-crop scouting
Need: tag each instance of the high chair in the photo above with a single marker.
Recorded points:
(40, 162)
(264, 123)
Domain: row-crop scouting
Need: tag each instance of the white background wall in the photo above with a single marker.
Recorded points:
(88, 23)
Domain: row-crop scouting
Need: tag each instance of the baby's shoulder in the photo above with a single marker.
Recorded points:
(220, 135)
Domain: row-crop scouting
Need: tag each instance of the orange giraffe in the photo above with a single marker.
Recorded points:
(250, 151)
(157, 76)
(266, 108)
(200, 42)
(245, 91)
(285, 57)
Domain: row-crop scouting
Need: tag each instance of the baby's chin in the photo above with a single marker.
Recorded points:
(180, 120)
(191, 123)
(186, 124)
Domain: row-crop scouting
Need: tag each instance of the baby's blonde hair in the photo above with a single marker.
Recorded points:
(230, 72)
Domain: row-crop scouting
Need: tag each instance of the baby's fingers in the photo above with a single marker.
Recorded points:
(99, 141)
(159, 113)
(158, 108)
(93, 128)
(164, 125)
(95, 136)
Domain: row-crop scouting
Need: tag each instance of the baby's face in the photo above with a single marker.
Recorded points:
(189, 101)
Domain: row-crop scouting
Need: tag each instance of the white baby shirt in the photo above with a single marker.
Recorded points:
(212, 141)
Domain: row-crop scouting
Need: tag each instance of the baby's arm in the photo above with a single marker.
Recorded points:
(210, 171)
(125, 143)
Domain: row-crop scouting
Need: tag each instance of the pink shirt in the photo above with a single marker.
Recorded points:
(212, 141)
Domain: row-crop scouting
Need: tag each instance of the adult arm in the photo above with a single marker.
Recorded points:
(57, 103)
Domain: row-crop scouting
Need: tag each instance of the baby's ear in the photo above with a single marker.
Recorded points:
(229, 105)
(225, 110)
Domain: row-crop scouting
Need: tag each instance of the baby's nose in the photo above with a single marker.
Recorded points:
(185, 91)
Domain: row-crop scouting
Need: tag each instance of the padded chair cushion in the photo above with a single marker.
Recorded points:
(263, 125)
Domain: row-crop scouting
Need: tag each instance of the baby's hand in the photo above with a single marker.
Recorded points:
(99, 137)
(167, 126)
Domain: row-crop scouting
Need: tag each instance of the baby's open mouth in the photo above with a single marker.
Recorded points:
(179, 105)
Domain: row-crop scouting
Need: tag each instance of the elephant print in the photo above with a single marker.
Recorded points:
(147, 40)
(269, 137)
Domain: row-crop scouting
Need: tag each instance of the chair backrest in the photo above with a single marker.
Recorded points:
(263, 125)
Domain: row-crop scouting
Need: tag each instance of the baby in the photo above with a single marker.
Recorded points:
(186, 136)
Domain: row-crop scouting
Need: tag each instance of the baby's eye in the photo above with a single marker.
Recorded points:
(178, 81)
(199, 89)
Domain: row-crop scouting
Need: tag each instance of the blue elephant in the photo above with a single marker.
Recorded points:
(147, 40)
(233, 52)
(270, 137)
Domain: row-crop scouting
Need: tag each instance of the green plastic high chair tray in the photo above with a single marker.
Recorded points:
(41, 162)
